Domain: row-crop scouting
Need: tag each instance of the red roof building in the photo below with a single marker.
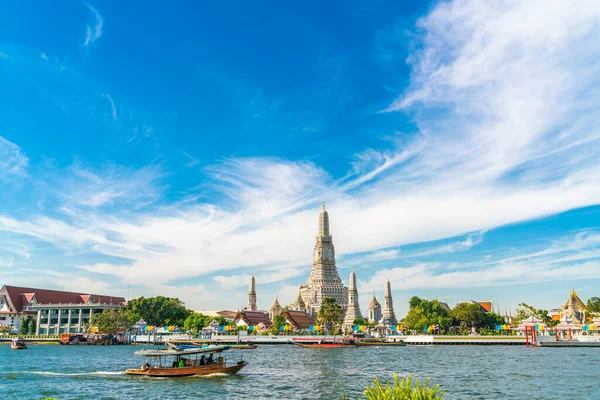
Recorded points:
(55, 311)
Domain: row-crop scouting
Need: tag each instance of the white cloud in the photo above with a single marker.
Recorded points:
(504, 99)
(13, 163)
(113, 108)
(572, 257)
(472, 239)
(92, 34)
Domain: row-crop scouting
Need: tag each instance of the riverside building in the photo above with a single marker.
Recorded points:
(324, 280)
(55, 311)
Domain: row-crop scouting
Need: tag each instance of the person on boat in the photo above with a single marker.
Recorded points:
(203, 360)
(145, 366)
(181, 363)
(210, 359)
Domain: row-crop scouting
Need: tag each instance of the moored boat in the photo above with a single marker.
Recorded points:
(377, 342)
(18, 344)
(325, 344)
(173, 363)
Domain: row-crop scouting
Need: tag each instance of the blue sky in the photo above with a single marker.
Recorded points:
(150, 149)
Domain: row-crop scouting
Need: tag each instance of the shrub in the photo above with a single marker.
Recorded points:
(402, 389)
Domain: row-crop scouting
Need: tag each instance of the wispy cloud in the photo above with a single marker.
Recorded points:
(113, 108)
(93, 33)
(573, 257)
(13, 163)
(472, 239)
(192, 161)
(506, 131)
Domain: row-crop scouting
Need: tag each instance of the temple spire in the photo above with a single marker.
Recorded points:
(353, 310)
(388, 305)
(324, 222)
(252, 295)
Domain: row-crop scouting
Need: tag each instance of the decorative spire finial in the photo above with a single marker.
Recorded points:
(323, 206)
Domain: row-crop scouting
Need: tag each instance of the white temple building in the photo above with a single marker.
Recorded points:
(374, 310)
(324, 280)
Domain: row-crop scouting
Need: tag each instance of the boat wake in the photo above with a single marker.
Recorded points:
(66, 373)
(216, 374)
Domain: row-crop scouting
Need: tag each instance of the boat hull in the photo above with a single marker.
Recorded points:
(18, 346)
(361, 344)
(326, 346)
(199, 370)
(568, 344)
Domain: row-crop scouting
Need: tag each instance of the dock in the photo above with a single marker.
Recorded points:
(503, 340)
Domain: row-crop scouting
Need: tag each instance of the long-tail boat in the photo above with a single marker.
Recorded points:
(328, 344)
(18, 344)
(173, 362)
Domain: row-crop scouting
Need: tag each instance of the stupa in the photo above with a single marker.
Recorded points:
(353, 310)
(324, 280)
(252, 295)
(388, 305)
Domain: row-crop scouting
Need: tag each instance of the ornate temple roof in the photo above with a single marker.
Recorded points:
(276, 306)
(299, 303)
(299, 319)
(575, 301)
(374, 304)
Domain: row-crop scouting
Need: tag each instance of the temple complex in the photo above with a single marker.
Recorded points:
(353, 310)
(388, 305)
(252, 295)
(374, 310)
(324, 280)
(574, 309)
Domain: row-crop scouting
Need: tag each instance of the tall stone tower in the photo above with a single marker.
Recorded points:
(252, 295)
(353, 310)
(324, 280)
(374, 310)
(388, 305)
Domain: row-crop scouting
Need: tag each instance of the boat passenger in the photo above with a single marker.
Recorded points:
(203, 360)
(210, 359)
(181, 363)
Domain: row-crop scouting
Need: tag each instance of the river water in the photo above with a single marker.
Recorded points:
(290, 372)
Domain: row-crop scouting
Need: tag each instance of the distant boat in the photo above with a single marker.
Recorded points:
(378, 342)
(174, 363)
(18, 344)
(328, 344)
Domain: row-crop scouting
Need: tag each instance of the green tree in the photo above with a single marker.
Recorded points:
(113, 321)
(330, 314)
(32, 326)
(423, 313)
(469, 315)
(414, 302)
(493, 319)
(159, 311)
(24, 330)
(525, 311)
(593, 304)
(359, 322)
(278, 322)
(194, 322)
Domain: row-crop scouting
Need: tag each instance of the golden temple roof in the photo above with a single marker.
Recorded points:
(575, 301)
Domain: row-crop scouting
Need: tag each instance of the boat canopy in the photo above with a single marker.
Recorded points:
(180, 352)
